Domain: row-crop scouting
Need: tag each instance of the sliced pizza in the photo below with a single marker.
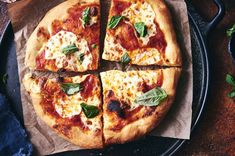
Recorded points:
(67, 38)
(71, 106)
(141, 32)
(134, 102)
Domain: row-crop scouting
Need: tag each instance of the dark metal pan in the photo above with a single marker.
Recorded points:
(149, 145)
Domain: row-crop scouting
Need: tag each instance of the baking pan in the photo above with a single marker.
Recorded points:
(150, 145)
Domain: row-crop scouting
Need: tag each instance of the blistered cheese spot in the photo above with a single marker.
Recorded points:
(53, 50)
(125, 84)
(142, 12)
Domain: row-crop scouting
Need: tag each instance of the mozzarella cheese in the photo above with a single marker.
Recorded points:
(142, 12)
(112, 49)
(53, 50)
(124, 84)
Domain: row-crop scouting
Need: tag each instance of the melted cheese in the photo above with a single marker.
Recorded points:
(113, 49)
(148, 56)
(142, 12)
(62, 39)
(124, 84)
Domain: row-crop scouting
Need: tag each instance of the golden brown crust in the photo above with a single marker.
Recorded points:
(169, 52)
(144, 123)
(163, 15)
(83, 138)
(58, 13)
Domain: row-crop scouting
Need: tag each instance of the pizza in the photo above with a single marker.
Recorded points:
(117, 106)
(134, 102)
(141, 32)
(69, 105)
(67, 38)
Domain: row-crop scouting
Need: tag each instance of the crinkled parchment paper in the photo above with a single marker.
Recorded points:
(25, 16)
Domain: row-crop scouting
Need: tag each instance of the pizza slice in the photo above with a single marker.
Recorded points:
(67, 38)
(71, 106)
(141, 32)
(134, 102)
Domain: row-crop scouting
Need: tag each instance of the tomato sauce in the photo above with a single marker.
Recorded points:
(88, 85)
(41, 61)
(119, 6)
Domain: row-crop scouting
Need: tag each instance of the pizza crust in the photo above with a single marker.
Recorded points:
(141, 127)
(35, 43)
(163, 16)
(88, 140)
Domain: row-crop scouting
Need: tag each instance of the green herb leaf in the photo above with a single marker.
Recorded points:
(85, 16)
(230, 31)
(69, 49)
(71, 88)
(114, 21)
(89, 110)
(93, 46)
(152, 98)
(125, 58)
(4, 78)
(231, 94)
(230, 80)
(141, 29)
(81, 57)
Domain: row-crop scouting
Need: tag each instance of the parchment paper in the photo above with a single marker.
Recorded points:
(25, 16)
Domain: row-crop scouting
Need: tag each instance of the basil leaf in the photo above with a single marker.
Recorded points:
(85, 16)
(69, 49)
(125, 58)
(81, 58)
(71, 88)
(89, 110)
(231, 94)
(152, 98)
(4, 78)
(141, 29)
(230, 31)
(93, 46)
(230, 80)
(114, 21)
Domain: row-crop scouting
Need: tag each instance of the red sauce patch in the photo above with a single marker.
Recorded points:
(77, 121)
(126, 36)
(119, 6)
(87, 85)
(42, 32)
(41, 61)
(158, 40)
